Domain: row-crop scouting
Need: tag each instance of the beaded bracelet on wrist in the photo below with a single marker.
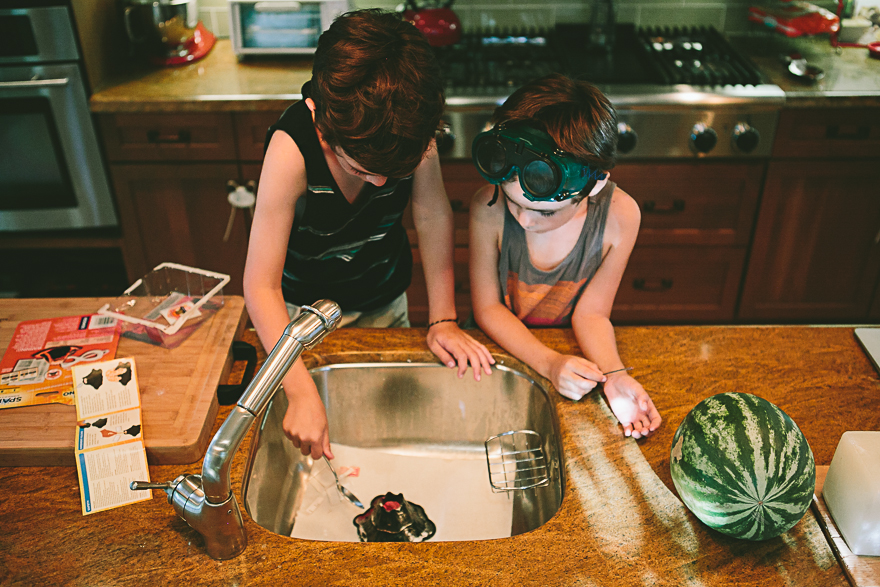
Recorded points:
(443, 320)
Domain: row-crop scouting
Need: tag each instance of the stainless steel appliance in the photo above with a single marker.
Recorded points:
(279, 27)
(679, 93)
(51, 172)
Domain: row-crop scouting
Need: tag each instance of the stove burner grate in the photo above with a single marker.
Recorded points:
(496, 61)
(695, 56)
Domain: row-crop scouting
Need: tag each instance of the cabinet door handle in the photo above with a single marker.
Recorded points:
(858, 133)
(183, 136)
(650, 207)
(35, 83)
(642, 284)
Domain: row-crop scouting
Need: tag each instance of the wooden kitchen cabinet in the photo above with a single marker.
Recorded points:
(179, 213)
(828, 133)
(168, 137)
(171, 174)
(815, 256)
(250, 133)
(697, 220)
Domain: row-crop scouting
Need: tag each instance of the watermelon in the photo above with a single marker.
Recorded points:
(742, 466)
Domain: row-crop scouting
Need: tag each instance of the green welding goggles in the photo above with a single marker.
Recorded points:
(545, 171)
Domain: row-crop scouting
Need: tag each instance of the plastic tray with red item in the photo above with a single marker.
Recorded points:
(168, 304)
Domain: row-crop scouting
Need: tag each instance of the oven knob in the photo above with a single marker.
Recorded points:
(626, 138)
(445, 139)
(745, 138)
(703, 138)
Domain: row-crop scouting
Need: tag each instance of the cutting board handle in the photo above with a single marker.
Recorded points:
(241, 351)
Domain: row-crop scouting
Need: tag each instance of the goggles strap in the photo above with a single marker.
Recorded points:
(495, 196)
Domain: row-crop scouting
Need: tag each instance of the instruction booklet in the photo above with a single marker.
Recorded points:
(110, 451)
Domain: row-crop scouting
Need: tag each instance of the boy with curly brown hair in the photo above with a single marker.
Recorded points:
(340, 168)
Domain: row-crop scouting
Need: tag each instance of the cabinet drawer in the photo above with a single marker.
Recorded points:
(417, 294)
(461, 180)
(693, 203)
(666, 284)
(168, 137)
(250, 132)
(833, 133)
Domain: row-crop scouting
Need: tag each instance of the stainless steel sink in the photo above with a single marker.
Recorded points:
(409, 428)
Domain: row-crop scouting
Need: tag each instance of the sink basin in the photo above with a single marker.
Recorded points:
(418, 430)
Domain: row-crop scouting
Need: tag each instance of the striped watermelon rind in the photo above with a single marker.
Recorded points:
(742, 466)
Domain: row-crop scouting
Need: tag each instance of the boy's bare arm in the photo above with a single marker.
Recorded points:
(572, 376)
(591, 318)
(432, 216)
(282, 182)
(592, 326)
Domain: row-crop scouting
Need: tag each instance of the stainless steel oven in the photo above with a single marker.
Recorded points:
(51, 172)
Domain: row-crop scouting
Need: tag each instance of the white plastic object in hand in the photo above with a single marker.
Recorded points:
(852, 491)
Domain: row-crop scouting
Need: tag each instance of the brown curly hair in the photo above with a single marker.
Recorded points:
(576, 115)
(378, 91)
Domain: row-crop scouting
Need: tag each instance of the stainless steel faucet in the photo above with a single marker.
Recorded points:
(206, 501)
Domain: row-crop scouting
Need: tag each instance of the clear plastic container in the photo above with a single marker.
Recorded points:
(168, 304)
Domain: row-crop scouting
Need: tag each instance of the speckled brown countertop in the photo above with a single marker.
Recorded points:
(219, 82)
(619, 523)
(852, 78)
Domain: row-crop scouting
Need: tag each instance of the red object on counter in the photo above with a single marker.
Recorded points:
(874, 50)
(796, 18)
(195, 48)
(439, 25)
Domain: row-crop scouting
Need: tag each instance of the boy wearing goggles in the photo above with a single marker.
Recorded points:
(553, 250)
(340, 167)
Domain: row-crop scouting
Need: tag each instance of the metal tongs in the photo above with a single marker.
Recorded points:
(348, 494)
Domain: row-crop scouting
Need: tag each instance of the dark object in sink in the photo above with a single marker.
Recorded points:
(390, 518)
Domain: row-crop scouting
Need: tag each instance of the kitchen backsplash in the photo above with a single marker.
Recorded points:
(727, 16)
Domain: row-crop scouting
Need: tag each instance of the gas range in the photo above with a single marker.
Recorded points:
(679, 92)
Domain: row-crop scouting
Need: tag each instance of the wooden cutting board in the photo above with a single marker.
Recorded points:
(178, 388)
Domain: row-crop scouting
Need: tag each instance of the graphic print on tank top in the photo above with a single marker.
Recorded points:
(548, 298)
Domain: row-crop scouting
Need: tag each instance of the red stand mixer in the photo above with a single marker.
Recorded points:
(167, 32)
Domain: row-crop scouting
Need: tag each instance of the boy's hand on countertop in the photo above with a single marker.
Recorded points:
(631, 405)
(452, 345)
(574, 377)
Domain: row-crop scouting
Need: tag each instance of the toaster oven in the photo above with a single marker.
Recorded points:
(280, 27)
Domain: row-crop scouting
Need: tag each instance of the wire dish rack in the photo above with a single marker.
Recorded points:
(516, 461)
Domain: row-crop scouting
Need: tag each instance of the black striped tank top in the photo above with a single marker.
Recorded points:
(357, 255)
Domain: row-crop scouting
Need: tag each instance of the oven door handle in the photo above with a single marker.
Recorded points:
(36, 83)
